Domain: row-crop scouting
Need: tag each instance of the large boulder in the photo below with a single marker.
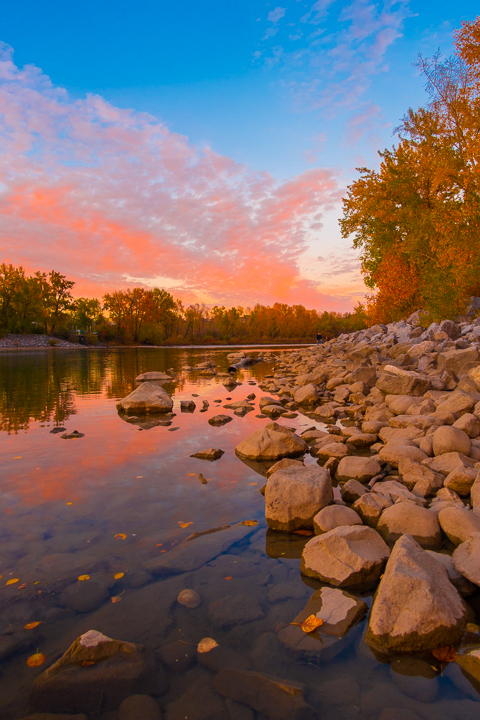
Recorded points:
(345, 556)
(362, 469)
(271, 442)
(444, 464)
(458, 361)
(466, 558)
(293, 497)
(416, 607)
(95, 673)
(370, 507)
(148, 397)
(457, 403)
(306, 395)
(450, 439)
(405, 518)
(397, 381)
(394, 453)
(458, 524)
(335, 516)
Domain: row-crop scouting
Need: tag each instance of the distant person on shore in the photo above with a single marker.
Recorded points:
(319, 338)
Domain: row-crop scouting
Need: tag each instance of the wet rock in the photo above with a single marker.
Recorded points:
(57, 430)
(469, 661)
(95, 674)
(189, 598)
(345, 556)
(276, 698)
(139, 707)
(73, 435)
(416, 678)
(222, 656)
(178, 656)
(450, 439)
(199, 702)
(146, 398)
(370, 507)
(210, 454)
(406, 518)
(416, 606)
(218, 420)
(361, 469)
(153, 376)
(293, 497)
(187, 406)
(352, 490)
(234, 610)
(272, 442)
(293, 590)
(466, 558)
(335, 516)
(84, 596)
(458, 524)
(238, 711)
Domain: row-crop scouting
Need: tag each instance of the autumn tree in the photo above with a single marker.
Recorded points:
(416, 219)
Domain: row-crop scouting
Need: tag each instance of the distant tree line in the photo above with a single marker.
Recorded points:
(43, 303)
(417, 219)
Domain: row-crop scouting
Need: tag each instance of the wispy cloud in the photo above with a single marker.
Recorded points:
(104, 194)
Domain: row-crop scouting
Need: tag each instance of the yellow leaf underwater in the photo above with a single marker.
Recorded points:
(118, 576)
(310, 624)
(445, 654)
(36, 660)
(12, 581)
(184, 524)
(83, 577)
(248, 523)
(120, 536)
(32, 625)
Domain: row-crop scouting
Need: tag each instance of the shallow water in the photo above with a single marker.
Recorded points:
(108, 502)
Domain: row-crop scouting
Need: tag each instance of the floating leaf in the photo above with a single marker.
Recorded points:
(12, 581)
(118, 576)
(32, 625)
(248, 523)
(19, 457)
(229, 577)
(445, 654)
(22, 587)
(253, 483)
(139, 477)
(88, 663)
(206, 645)
(191, 474)
(68, 503)
(120, 536)
(83, 577)
(184, 524)
(115, 598)
(36, 660)
(307, 533)
(310, 624)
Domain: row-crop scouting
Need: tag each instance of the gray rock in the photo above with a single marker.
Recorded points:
(345, 556)
(416, 606)
(293, 497)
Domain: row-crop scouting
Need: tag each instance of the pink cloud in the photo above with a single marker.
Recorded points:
(102, 194)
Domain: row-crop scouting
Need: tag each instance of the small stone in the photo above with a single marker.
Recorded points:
(210, 454)
(189, 598)
(139, 707)
(73, 435)
(370, 507)
(352, 491)
(218, 420)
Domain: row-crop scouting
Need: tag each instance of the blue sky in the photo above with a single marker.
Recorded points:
(283, 87)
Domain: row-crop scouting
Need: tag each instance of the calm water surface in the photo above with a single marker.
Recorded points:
(108, 502)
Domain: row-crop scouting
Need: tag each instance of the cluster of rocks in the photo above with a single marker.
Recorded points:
(394, 502)
(32, 342)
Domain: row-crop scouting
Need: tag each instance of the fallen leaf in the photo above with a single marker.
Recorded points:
(191, 474)
(445, 654)
(310, 624)
(229, 577)
(139, 477)
(36, 660)
(83, 577)
(118, 576)
(19, 457)
(115, 598)
(253, 483)
(248, 523)
(22, 587)
(184, 524)
(307, 533)
(163, 551)
(32, 625)
(159, 544)
(88, 663)
(206, 645)
(68, 503)
(12, 581)
(120, 536)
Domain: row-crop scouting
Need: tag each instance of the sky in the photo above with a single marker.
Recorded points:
(202, 147)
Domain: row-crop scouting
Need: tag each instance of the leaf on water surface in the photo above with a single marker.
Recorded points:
(229, 577)
(307, 533)
(88, 663)
(206, 645)
(118, 576)
(19, 457)
(120, 536)
(32, 625)
(22, 587)
(445, 654)
(12, 581)
(248, 523)
(184, 524)
(253, 483)
(83, 577)
(68, 503)
(191, 474)
(36, 660)
(310, 624)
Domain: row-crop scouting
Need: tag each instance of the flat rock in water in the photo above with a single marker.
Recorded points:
(345, 556)
(416, 607)
(146, 398)
(294, 495)
(210, 454)
(139, 707)
(233, 610)
(194, 554)
(153, 376)
(218, 420)
(272, 442)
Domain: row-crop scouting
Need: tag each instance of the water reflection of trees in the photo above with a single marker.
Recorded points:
(41, 387)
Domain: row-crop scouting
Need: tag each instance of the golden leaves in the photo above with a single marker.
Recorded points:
(32, 625)
(229, 577)
(12, 581)
(36, 660)
(206, 645)
(307, 533)
(445, 654)
(117, 576)
(310, 624)
(120, 536)
(82, 578)
(249, 523)
(184, 524)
